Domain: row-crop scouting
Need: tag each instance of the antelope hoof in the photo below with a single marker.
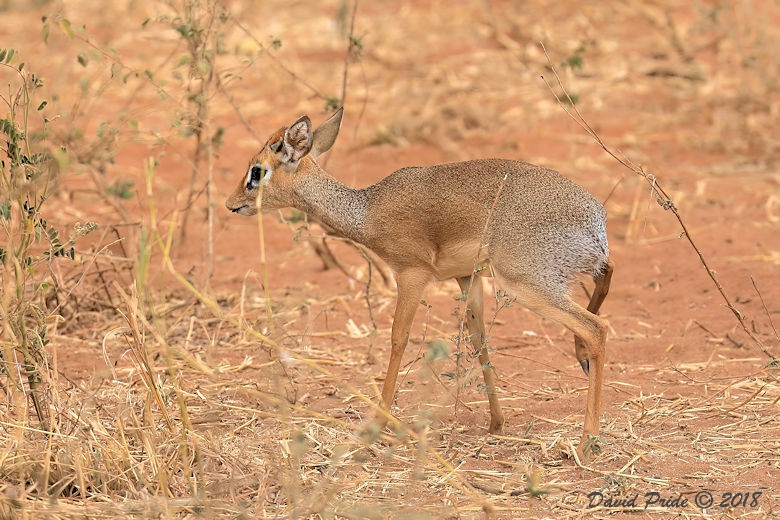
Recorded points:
(372, 430)
(380, 421)
(585, 364)
(496, 425)
(590, 446)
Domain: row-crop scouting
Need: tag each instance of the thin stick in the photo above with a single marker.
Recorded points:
(462, 323)
(348, 54)
(374, 328)
(663, 198)
(345, 74)
(230, 99)
(209, 145)
(763, 304)
(276, 60)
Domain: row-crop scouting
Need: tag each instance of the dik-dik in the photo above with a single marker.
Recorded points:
(529, 227)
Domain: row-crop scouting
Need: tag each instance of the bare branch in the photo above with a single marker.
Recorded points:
(348, 54)
(663, 199)
(277, 61)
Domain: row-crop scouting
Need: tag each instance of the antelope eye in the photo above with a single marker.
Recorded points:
(276, 147)
(255, 174)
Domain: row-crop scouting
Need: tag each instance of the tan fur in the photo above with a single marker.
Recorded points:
(435, 222)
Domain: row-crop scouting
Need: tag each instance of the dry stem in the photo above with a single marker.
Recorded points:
(664, 200)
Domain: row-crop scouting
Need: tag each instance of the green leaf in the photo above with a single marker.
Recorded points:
(53, 236)
(2, 55)
(437, 350)
(5, 210)
(82, 59)
(67, 29)
(122, 189)
(218, 137)
(574, 62)
(103, 128)
(203, 67)
(10, 56)
(331, 104)
(42, 105)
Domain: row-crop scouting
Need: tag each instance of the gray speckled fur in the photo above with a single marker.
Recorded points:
(338, 206)
(544, 229)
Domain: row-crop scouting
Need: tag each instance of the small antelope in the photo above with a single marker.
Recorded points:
(529, 227)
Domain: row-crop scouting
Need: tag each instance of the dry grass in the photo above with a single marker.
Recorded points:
(163, 437)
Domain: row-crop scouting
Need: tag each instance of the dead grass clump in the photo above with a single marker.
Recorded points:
(160, 437)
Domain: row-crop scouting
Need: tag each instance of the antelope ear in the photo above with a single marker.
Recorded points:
(297, 140)
(326, 134)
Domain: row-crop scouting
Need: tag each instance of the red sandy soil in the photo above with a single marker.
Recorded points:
(450, 83)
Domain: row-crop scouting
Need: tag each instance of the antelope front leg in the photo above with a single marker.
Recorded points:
(411, 284)
(476, 324)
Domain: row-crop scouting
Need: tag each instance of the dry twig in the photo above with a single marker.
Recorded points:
(663, 198)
